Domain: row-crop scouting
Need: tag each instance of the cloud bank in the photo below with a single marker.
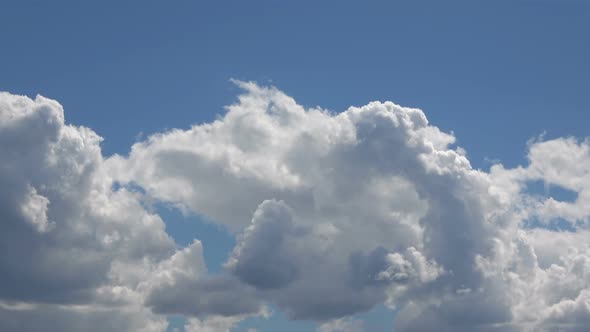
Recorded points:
(334, 213)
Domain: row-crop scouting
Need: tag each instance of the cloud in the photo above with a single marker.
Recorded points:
(376, 179)
(264, 258)
(211, 324)
(41, 318)
(77, 255)
(342, 325)
(338, 212)
(333, 213)
(559, 163)
(174, 289)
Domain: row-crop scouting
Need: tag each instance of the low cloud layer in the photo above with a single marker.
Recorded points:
(334, 213)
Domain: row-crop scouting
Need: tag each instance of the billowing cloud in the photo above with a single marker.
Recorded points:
(175, 289)
(42, 318)
(334, 213)
(338, 212)
(77, 255)
(264, 258)
(342, 325)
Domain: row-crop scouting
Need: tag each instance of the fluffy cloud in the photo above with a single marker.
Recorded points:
(180, 285)
(77, 255)
(338, 212)
(333, 213)
(211, 324)
(42, 318)
(264, 258)
(341, 325)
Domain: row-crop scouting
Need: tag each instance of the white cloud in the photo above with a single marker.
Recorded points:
(366, 206)
(34, 209)
(342, 325)
(75, 252)
(357, 190)
(42, 318)
(211, 324)
(334, 214)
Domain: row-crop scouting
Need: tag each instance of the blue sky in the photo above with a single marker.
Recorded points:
(494, 73)
(471, 65)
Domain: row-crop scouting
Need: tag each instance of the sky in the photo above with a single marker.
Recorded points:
(294, 166)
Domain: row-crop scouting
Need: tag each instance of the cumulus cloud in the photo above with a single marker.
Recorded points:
(42, 318)
(333, 214)
(264, 258)
(338, 212)
(365, 201)
(342, 325)
(77, 255)
(211, 324)
(180, 285)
